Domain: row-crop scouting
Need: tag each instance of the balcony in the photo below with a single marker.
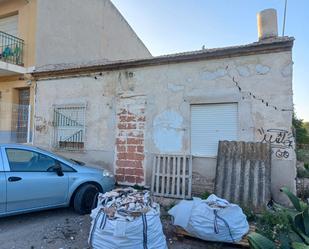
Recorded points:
(11, 55)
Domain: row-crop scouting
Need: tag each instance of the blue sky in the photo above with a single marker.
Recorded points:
(169, 26)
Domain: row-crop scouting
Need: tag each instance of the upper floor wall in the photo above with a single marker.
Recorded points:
(78, 31)
(18, 18)
(69, 31)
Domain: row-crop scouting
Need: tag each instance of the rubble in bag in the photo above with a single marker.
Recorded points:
(127, 203)
(126, 219)
(213, 219)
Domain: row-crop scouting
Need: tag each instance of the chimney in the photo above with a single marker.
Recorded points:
(267, 24)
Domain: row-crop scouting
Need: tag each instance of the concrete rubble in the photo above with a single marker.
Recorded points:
(126, 218)
(126, 203)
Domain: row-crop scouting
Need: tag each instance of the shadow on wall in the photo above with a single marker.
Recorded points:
(14, 137)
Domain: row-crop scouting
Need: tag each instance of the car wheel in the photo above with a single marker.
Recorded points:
(84, 198)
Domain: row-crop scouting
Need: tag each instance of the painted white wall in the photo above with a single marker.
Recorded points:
(169, 91)
(79, 31)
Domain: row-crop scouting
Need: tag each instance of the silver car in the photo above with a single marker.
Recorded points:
(33, 179)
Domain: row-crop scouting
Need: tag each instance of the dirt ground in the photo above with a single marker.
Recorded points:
(64, 229)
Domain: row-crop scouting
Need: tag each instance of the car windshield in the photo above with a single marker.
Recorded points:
(70, 160)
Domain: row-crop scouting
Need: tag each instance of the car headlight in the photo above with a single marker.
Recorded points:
(107, 173)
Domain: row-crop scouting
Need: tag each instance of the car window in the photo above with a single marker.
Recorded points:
(66, 168)
(69, 160)
(28, 161)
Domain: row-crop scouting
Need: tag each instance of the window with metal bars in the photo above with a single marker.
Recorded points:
(69, 124)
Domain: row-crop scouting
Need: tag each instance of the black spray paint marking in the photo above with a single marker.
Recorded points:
(280, 140)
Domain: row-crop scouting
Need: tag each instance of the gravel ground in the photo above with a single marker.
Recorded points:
(64, 229)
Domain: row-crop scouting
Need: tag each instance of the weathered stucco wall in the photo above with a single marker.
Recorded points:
(78, 31)
(150, 107)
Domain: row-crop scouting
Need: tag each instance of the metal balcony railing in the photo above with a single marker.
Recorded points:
(11, 49)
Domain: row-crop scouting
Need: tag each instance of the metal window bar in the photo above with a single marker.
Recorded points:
(69, 124)
(11, 49)
(15, 123)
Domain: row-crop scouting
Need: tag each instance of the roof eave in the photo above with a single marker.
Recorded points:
(273, 46)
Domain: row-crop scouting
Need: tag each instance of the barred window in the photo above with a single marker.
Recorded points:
(69, 124)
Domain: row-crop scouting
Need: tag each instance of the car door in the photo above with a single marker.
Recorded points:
(2, 187)
(31, 182)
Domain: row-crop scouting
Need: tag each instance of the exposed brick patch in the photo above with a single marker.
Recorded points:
(119, 178)
(130, 143)
(129, 164)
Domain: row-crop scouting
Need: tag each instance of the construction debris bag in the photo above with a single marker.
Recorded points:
(213, 219)
(126, 219)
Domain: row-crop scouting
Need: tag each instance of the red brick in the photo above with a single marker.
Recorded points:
(120, 171)
(140, 149)
(122, 126)
(134, 141)
(130, 156)
(139, 180)
(121, 148)
(137, 164)
(121, 164)
(120, 178)
(139, 172)
(135, 156)
(130, 179)
(131, 149)
(142, 118)
(131, 126)
(125, 118)
(123, 156)
(139, 157)
(129, 171)
(129, 164)
(131, 118)
(122, 118)
(120, 141)
(126, 126)
(136, 134)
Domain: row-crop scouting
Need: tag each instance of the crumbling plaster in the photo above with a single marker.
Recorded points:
(169, 90)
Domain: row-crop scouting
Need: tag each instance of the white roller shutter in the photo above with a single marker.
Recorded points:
(9, 25)
(211, 123)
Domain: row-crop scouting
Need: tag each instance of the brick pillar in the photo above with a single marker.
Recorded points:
(130, 145)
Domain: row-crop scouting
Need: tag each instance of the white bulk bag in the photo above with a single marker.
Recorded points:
(143, 232)
(213, 219)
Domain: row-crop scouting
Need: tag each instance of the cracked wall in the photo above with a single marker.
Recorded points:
(165, 94)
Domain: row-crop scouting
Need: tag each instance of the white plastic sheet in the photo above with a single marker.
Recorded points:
(213, 219)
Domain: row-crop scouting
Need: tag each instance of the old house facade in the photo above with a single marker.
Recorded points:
(39, 34)
(180, 104)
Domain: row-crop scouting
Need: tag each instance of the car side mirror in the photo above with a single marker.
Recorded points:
(57, 168)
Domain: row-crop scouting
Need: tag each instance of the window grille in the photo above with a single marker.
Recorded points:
(15, 123)
(69, 124)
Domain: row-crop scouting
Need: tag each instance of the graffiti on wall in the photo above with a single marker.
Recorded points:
(281, 141)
